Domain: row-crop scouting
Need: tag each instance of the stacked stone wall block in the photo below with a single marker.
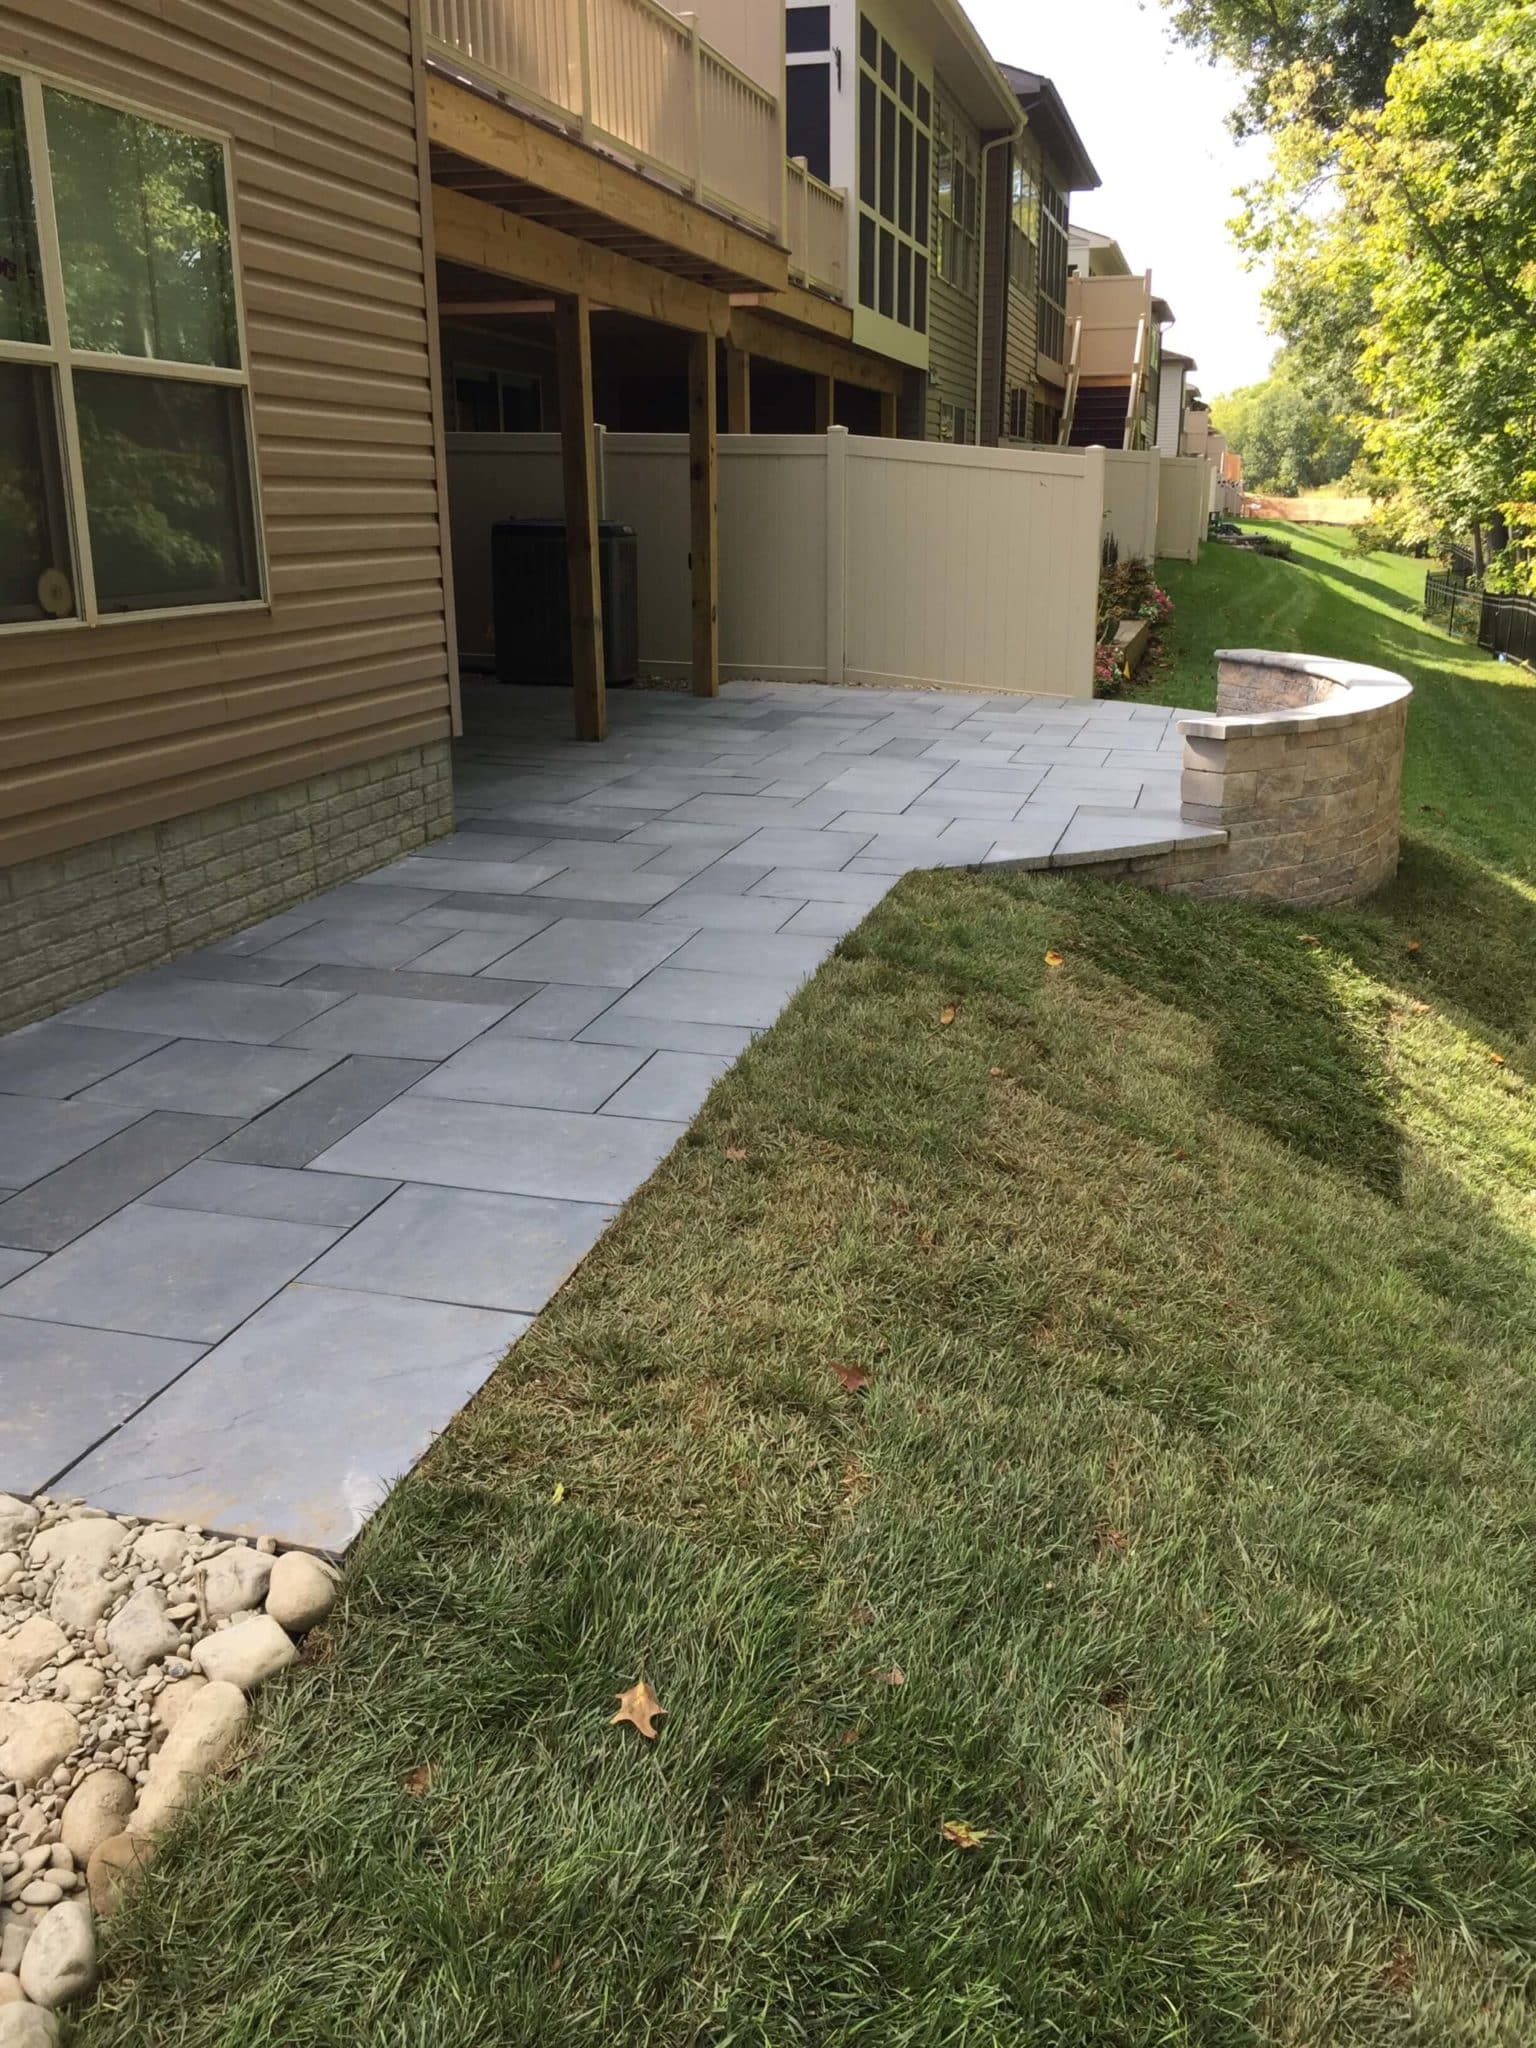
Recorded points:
(73, 923)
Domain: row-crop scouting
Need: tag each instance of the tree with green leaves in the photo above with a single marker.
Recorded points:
(1289, 433)
(1331, 56)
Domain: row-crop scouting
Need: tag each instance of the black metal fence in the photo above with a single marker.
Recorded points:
(1508, 626)
(1450, 599)
(1501, 623)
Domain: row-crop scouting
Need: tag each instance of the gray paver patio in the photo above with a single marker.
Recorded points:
(273, 1211)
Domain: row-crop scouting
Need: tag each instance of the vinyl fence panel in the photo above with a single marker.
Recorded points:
(1131, 492)
(1183, 489)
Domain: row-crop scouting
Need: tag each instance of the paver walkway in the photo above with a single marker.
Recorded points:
(270, 1214)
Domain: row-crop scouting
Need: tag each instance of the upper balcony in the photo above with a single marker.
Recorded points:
(633, 79)
(817, 232)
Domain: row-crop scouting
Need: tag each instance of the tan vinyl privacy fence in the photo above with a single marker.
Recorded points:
(1131, 488)
(1183, 486)
(842, 559)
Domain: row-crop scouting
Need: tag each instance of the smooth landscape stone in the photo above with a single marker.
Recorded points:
(236, 1580)
(98, 1807)
(302, 1592)
(139, 1634)
(81, 1595)
(163, 1549)
(173, 1700)
(27, 2026)
(18, 1518)
(245, 1654)
(95, 1541)
(60, 1962)
(113, 1864)
(35, 1738)
(36, 1643)
(11, 1992)
(81, 1682)
(203, 1737)
(14, 1935)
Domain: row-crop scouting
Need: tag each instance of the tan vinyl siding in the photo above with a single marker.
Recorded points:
(952, 315)
(110, 727)
(1009, 316)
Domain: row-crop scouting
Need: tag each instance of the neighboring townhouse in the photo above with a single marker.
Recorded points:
(1024, 301)
(1116, 322)
(1173, 393)
(899, 103)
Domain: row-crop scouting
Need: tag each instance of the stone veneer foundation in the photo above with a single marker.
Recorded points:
(73, 923)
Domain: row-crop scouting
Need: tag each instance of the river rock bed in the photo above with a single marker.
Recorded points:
(128, 1650)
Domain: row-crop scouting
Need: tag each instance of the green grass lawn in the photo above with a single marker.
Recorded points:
(1182, 1546)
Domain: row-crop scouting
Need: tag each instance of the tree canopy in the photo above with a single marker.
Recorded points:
(1339, 52)
(1402, 239)
(1290, 435)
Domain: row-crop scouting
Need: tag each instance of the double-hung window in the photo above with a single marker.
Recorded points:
(959, 207)
(126, 478)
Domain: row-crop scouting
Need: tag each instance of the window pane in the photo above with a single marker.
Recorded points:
(808, 28)
(167, 491)
(22, 317)
(920, 214)
(923, 104)
(888, 64)
(869, 42)
(904, 201)
(868, 118)
(887, 273)
(920, 294)
(887, 158)
(866, 261)
(144, 233)
(36, 566)
(808, 116)
(904, 285)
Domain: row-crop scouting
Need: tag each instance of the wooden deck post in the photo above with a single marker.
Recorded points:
(826, 391)
(704, 514)
(573, 341)
(738, 390)
(888, 424)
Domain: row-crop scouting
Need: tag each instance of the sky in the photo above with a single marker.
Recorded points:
(1153, 117)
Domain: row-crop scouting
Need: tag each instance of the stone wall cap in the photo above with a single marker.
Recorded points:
(1356, 687)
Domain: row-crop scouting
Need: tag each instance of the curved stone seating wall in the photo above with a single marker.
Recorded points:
(1301, 767)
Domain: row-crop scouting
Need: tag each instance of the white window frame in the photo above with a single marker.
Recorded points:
(62, 358)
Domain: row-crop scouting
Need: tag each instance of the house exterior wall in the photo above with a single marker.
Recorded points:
(1010, 316)
(954, 314)
(138, 727)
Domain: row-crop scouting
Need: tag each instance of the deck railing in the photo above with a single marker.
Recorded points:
(817, 232)
(633, 77)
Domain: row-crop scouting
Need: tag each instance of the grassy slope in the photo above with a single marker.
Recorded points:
(1192, 1495)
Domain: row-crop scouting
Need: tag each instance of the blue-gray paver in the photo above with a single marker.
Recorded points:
(285, 1201)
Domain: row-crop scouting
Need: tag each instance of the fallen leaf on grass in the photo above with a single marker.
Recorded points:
(854, 1381)
(1055, 959)
(559, 1493)
(1497, 1058)
(1307, 939)
(417, 1780)
(736, 1153)
(962, 1835)
(638, 1706)
(1412, 946)
(995, 1073)
(949, 1013)
(895, 1676)
(1419, 1009)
